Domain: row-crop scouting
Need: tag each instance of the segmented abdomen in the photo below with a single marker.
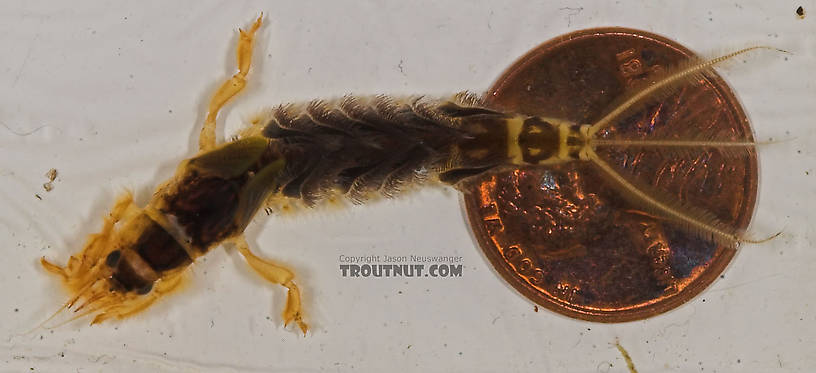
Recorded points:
(360, 145)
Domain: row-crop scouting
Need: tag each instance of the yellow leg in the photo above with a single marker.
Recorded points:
(277, 274)
(231, 87)
(94, 249)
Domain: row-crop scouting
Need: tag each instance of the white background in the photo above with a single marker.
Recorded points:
(112, 96)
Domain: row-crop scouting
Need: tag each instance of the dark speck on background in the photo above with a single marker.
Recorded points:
(800, 11)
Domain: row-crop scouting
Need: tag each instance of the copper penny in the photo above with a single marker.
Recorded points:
(561, 235)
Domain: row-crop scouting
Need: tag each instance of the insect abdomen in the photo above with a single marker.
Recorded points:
(356, 146)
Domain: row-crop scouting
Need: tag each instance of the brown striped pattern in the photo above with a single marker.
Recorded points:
(360, 145)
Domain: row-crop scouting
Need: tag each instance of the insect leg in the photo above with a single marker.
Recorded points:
(231, 87)
(277, 274)
(96, 248)
(134, 303)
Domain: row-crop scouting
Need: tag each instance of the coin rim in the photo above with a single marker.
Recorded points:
(722, 256)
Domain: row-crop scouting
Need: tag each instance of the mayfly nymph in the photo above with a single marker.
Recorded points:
(355, 147)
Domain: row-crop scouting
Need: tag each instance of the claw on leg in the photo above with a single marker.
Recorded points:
(277, 274)
(53, 268)
(134, 303)
(231, 87)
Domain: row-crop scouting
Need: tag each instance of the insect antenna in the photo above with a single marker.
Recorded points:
(100, 303)
(696, 221)
(41, 325)
(87, 312)
(89, 301)
(65, 306)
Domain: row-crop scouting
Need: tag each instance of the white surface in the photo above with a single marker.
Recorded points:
(112, 97)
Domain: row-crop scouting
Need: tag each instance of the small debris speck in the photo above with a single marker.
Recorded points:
(51, 175)
(626, 357)
(800, 11)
